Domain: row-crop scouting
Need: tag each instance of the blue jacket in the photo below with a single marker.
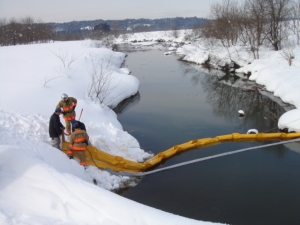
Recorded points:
(55, 126)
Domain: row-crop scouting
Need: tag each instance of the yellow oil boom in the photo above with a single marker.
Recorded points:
(100, 159)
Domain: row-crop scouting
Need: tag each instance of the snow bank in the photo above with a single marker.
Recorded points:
(273, 71)
(154, 36)
(45, 187)
(40, 184)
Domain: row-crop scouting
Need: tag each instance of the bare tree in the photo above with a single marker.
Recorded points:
(277, 12)
(101, 77)
(252, 23)
(3, 33)
(28, 31)
(288, 50)
(13, 32)
(47, 79)
(226, 16)
(197, 32)
(295, 15)
(67, 60)
(175, 32)
(209, 30)
(256, 11)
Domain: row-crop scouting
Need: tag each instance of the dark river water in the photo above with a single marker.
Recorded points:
(178, 102)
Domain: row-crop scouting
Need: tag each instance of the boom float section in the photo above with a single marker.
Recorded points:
(98, 158)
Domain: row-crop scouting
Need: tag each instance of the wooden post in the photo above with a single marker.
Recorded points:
(80, 115)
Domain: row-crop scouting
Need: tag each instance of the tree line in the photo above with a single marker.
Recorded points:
(255, 23)
(29, 30)
(252, 22)
(133, 25)
(24, 31)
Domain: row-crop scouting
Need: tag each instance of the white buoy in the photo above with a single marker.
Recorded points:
(252, 131)
(241, 113)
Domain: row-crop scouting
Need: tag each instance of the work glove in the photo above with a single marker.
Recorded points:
(64, 113)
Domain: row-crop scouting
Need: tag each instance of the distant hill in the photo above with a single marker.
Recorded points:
(134, 25)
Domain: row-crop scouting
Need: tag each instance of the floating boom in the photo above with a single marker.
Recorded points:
(100, 159)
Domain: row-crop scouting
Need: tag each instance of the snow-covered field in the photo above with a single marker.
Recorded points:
(39, 184)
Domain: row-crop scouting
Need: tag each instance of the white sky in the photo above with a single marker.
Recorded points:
(76, 10)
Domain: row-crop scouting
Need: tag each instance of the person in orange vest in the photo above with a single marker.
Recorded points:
(68, 105)
(78, 144)
(81, 125)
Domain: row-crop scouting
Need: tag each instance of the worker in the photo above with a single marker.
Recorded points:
(68, 104)
(78, 144)
(81, 125)
(55, 128)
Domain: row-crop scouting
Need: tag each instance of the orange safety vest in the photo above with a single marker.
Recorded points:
(68, 107)
(78, 140)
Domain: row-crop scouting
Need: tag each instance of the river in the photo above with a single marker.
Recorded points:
(178, 102)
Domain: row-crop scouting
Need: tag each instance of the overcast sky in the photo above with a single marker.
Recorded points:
(76, 10)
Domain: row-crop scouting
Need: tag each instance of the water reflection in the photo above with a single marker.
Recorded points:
(226, 102)
(128, 103)
(227, 99)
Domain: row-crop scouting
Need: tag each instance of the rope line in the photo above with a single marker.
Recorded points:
(200, 159)
(283, 125)
(93, 160)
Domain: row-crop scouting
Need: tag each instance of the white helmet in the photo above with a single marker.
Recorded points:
(64, 97)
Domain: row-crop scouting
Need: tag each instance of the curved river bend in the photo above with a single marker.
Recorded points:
(177, 103)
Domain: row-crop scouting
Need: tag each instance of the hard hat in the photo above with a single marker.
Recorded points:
(64, 97)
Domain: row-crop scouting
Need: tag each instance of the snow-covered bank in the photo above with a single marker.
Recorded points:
(39, 184)
(45, 187)
(154, 36)
(33, 77)
(271, 70)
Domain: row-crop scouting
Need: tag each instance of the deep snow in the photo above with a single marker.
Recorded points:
(40, 184)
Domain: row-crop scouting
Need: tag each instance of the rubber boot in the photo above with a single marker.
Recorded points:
(70, 154)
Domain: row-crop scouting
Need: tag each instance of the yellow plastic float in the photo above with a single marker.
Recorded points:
(98, 158)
